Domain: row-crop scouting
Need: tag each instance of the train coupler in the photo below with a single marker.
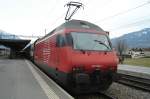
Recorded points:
(82, 78)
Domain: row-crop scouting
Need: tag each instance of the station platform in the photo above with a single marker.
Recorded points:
(139, 71)
(20, 79)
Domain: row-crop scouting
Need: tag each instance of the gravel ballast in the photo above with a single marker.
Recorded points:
(120, 91)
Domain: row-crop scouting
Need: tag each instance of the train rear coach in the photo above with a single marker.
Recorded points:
(78, 55)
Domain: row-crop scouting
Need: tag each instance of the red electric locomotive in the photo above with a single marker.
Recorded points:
(78, 55)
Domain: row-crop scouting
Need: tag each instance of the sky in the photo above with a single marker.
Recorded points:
(32, 17)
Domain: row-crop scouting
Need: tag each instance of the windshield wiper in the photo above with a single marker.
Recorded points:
(100, 42)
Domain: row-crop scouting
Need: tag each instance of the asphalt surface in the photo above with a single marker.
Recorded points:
(19, 79)
(138, 69)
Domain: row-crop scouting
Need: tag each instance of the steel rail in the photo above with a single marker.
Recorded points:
(134, 81)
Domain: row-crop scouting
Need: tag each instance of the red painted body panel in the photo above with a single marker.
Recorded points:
(90, 59)
(65, 58)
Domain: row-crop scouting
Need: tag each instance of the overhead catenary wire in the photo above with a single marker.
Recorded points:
(130, 24)
(109, 17)
(62, 15)
(123, 12)
(58, 18)
(53, 7)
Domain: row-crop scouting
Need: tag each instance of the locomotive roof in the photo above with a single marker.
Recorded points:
(75, 24)
(79, 24)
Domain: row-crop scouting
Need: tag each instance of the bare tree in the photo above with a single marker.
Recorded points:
(121, 48)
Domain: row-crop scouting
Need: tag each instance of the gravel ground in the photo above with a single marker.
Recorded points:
(120, 91)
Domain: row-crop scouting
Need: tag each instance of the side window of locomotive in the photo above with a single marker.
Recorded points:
(60, 41)
(69, 39)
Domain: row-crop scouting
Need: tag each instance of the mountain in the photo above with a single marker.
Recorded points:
(138, 39)
(5, 35)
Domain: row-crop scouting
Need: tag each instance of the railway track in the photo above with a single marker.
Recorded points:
(136, 82)
(95, 96)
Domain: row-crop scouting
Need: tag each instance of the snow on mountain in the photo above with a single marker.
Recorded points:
(138, 39)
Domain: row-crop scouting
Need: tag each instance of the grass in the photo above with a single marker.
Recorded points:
(138, 61)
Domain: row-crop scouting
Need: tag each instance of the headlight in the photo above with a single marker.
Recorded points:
(96, 67)
(79, 68)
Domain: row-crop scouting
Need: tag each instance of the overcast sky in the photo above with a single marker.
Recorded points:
(31, 17)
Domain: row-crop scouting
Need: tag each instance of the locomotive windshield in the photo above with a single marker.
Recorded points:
(90, 41)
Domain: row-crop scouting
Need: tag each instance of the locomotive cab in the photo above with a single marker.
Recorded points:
(91, 59)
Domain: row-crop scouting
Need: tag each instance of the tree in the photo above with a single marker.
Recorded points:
(121, 48)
